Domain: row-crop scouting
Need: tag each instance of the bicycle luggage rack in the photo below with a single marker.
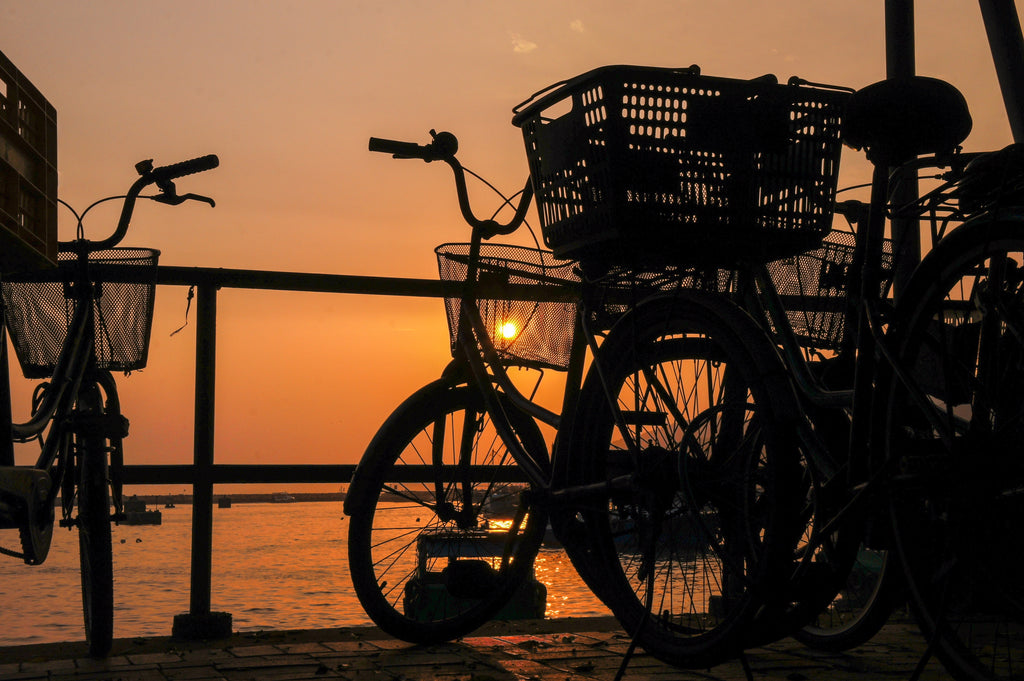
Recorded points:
(39, 313)
(658, 165)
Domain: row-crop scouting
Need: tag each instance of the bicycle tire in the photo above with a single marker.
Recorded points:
(860, 608)
(698, 441)
(956, 506)
(390, 545)
(94, 540)
(846, 591)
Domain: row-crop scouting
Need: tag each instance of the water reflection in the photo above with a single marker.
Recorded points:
(275, 566)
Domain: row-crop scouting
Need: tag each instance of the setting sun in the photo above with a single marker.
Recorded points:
(507, 330)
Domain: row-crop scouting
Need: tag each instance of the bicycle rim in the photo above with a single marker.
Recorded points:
(432, 559)
(844, 591)
(958, 502)
(698, 530)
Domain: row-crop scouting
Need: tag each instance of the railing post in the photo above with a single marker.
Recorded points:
(199, 622)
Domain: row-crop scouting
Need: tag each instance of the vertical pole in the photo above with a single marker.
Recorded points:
(900, 63)
(202, 483)
(199, 622)
(1004, 38)
(899, 39)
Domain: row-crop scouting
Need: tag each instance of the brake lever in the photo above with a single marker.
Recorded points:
(172, 199)
(200, 197)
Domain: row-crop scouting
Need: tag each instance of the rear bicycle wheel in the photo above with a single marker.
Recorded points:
(861, 606)
(844, 591)
(442, 533)
(691, 429)
(958, 497)
(94, 543)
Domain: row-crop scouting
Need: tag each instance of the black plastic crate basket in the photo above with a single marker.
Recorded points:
(38, 313)
(815, 285)
(652, 165)
(524, 332)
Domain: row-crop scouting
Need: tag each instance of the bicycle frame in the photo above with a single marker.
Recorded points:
(26, 488)
(476, 358)
(475, 350)
(867, 348)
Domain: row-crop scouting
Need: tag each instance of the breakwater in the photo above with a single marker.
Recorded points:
(239, 498)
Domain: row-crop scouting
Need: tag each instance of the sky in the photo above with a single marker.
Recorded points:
(287, 94)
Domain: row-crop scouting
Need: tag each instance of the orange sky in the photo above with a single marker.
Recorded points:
(287, 93)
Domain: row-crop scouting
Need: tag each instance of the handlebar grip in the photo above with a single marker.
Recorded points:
(189, 167)
(396, 148)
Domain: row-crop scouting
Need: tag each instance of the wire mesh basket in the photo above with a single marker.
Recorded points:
(38, 314)
(654, 165)
(524, 332)
(818, 281)
(623, 288)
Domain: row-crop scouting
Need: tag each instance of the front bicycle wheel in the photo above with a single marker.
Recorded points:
(443, 531)
(94, 544)
(687, 426)
(954, 436)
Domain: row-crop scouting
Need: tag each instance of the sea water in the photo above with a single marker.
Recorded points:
(275, 566)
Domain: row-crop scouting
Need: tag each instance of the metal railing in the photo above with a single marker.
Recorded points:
(203, 473)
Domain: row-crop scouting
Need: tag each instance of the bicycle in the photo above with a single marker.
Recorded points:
(73, 326)
(427, 562)
(929, 381)
(915, 424)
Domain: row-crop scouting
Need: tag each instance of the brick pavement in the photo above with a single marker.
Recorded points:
(552, 650)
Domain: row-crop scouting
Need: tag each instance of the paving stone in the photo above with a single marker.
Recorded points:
(346, 646)
(253, 651)
(190, 673)
(153, 658)
(52, 665)
(263, 663)
(206, 656)
(496, 655)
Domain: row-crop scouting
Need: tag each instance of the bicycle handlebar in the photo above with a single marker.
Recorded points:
(163, 177)
(443, 147)
(183, 168)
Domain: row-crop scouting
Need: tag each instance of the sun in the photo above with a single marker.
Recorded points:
(507, 330)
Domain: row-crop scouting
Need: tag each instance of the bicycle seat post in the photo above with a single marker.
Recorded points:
(893, 121)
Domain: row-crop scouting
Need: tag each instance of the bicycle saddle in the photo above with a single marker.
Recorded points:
(897, 119)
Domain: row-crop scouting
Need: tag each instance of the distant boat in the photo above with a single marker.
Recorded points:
(281, 497)
(504, 502)
(136, 513)
(467, 576)
(224, 502)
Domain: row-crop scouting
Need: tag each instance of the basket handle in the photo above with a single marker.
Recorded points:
(545, 97)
